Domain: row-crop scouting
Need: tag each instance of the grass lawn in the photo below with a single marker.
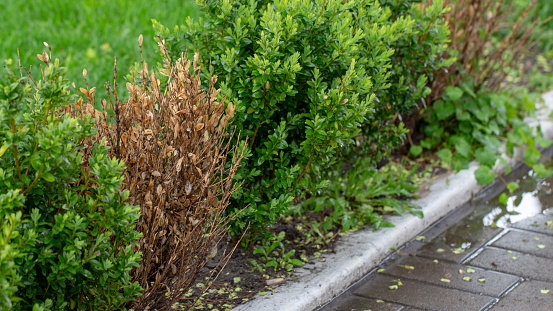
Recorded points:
(87, 33)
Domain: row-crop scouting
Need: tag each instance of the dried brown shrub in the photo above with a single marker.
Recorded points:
(175, 145)
(474, 25)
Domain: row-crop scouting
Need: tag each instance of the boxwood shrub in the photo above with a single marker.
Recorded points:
(311, 80)
(67, 235)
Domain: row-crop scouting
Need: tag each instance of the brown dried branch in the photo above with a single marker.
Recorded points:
(473, 25)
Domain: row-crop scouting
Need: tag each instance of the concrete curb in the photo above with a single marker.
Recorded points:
(359, 252)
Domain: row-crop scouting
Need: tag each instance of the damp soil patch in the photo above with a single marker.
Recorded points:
(245, 275)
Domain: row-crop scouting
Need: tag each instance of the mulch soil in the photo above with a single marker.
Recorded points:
(227, 291)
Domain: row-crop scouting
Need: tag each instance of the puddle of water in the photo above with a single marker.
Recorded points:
(457, 237)
(533, 197)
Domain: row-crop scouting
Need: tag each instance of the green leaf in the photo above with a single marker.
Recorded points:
(453, 93)
(485, 156)
(541, 171)
(543, 142)
(503, 198)
(443, 109)
(512, 186)
(445, 155)
(35, 162)
(484, 175)
(3, 149)
(531, 156)
(415, 150)
(48, 177)
(461, 145)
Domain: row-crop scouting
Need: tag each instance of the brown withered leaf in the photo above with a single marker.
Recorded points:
(84, 91)
(179, 163)
(156, 173)
(199, 126)
(188, 188)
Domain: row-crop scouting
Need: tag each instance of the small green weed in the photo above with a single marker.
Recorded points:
(464, 125)
(363, 194)
(274, 255)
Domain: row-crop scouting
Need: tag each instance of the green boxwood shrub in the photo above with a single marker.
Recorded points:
(67, 235)
(308, 79)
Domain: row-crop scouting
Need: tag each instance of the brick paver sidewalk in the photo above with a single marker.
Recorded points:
(484, 269)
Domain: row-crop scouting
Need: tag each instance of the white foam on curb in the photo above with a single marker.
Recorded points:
(359, 252)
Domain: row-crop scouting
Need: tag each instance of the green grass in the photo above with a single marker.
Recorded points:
(87, 33)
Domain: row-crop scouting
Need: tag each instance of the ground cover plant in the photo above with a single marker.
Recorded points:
(86, 34)
(173, 143)
(311, 82)
(68, 235)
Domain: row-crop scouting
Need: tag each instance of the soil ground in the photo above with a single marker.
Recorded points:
(240, 280)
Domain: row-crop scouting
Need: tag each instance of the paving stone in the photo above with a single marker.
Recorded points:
(355, 303)
(420, 295)
(538, 223)
(527, 242)
(429, 271)
(454, 244)
(527, 296)
(524, 265)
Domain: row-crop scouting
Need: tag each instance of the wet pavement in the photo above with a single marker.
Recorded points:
(473, 259)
